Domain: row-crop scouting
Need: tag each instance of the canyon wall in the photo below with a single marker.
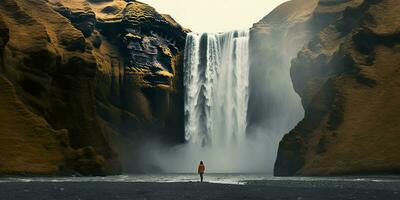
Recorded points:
(347, 77)
(79, 80)
(274, 107)
(83, 82)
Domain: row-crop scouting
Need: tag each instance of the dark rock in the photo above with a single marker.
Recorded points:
(89, 163)
(152, 87)
(84, 21)
(291, 155)
(4, 34)
(96, 41)
(111, 10)
(99, 1)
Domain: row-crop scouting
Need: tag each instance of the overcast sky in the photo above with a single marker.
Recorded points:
(215, 15)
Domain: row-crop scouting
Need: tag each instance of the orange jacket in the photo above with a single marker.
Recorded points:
(201, 169)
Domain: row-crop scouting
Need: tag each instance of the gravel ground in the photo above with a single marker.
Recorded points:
(282, 189)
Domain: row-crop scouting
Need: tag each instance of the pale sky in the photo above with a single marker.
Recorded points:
(215, 15)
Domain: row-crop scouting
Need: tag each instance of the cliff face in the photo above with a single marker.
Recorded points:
(274, 107)
(79, 77)
(274, 41)
(347, 77)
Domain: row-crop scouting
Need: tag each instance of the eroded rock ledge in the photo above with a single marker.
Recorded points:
(347, 77)
(91, 75)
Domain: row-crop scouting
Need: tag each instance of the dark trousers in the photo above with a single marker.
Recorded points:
(201, 177)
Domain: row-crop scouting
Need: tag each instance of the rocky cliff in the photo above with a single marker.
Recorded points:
(274, 41)
(347, 77)
(79, 77)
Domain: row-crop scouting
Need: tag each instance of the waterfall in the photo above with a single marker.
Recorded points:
(216, 79)
(216, 82)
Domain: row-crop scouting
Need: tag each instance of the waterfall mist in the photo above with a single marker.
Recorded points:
(222, 128)
(216, 77)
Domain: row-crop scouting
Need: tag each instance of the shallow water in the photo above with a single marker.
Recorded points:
(237, 179)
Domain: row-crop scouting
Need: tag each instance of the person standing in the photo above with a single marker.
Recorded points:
(201, 170)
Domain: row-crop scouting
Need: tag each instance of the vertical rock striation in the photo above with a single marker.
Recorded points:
(85, 76)
(347, 79)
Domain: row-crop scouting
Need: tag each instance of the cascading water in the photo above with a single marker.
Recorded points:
(216, 81)
(216, 78)
(216, 101)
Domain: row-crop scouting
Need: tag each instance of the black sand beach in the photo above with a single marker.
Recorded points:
(298, 190)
